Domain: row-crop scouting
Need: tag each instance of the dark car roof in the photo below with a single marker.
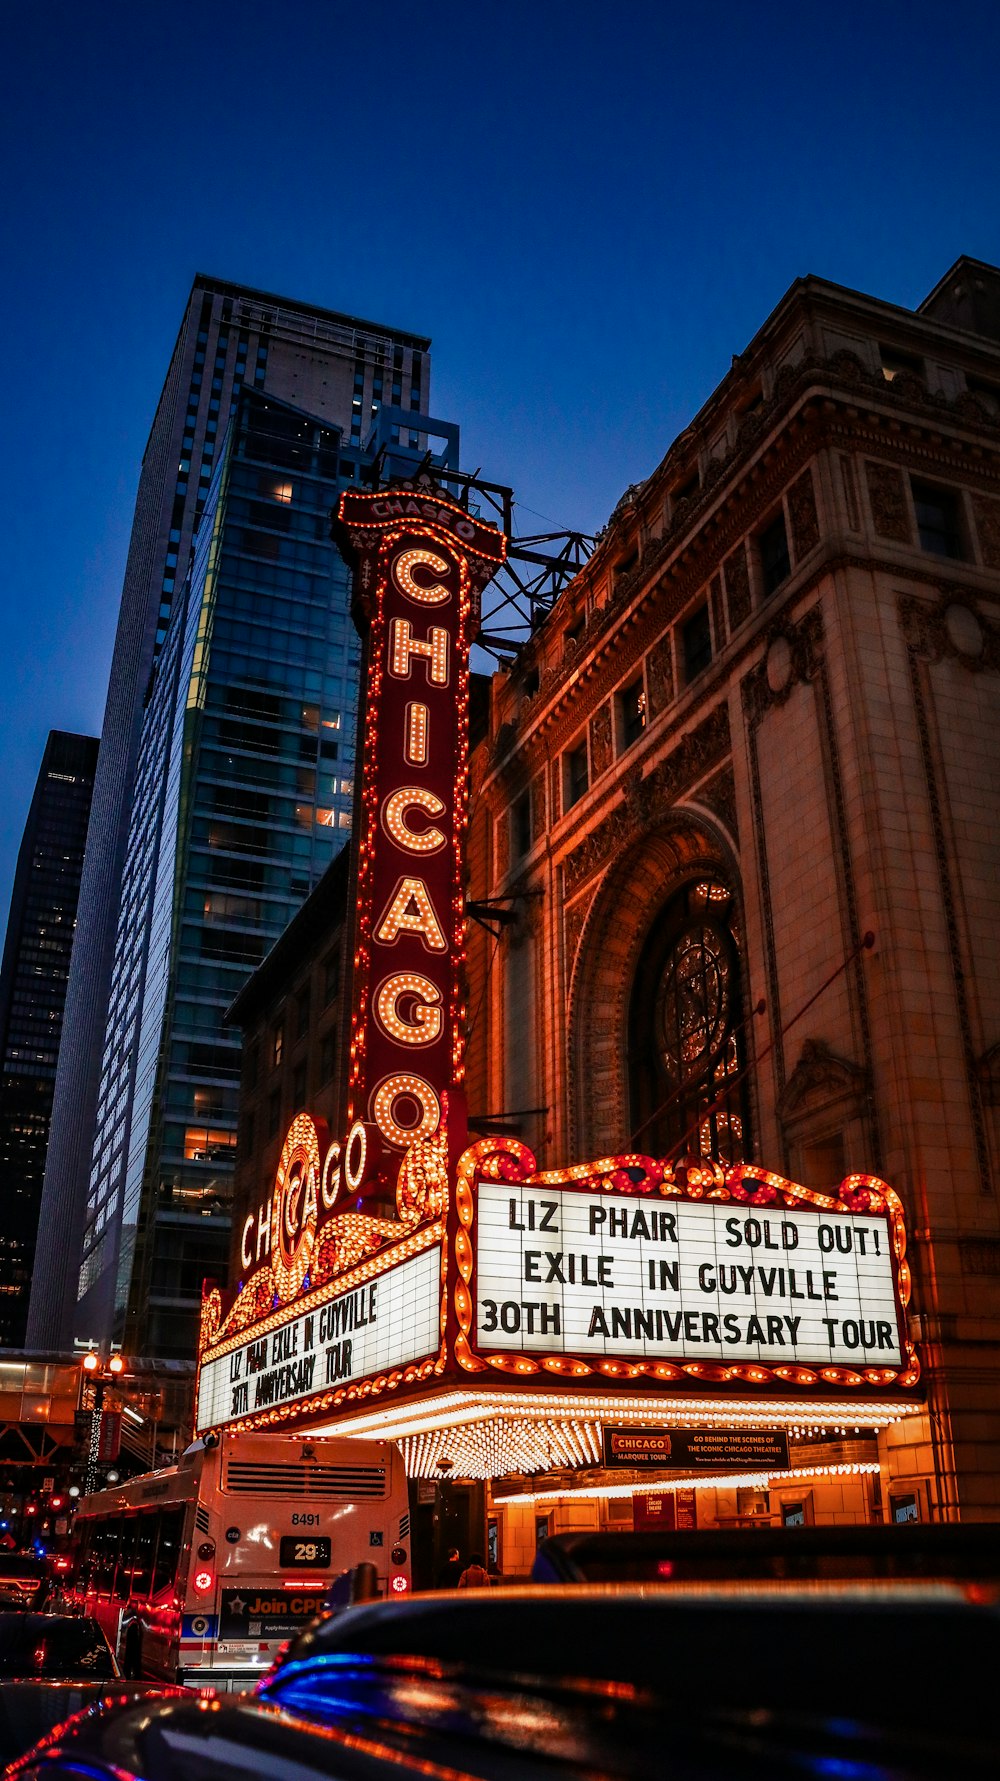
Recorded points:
(758, 1648)
(495, 1685)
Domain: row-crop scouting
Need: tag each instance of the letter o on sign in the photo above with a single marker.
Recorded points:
(355, 1156)
(385, 1106)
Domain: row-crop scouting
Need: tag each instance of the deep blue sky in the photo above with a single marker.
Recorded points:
(589, 207)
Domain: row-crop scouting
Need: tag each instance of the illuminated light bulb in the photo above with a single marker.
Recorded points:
(433, 649)
(413, 797)
(402, 574)
(415, 735)
(410, 910)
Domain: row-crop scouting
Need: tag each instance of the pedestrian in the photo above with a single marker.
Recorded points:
(475, 1575)
(450, 1571)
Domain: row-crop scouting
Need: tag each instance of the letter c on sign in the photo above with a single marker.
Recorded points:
(329, 1185)
(402, 574)
(248, 1225)
(413, 797)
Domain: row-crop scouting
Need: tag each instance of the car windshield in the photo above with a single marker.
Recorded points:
(20, 1564)
(53, 1647)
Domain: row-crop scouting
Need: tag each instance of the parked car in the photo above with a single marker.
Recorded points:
(963, 1554)
(620, 1681)
(51, 1666)
(24, 1580)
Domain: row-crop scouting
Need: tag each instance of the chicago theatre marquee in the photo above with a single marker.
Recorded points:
(618, 1339)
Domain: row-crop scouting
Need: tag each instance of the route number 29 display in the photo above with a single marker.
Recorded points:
(305, 1551)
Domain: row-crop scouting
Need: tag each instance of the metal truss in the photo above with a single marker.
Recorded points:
(538, 565)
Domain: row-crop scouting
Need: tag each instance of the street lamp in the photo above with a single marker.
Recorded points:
(100, 1371)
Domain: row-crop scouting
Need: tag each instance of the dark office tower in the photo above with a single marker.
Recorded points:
(341, 371)
(33, 980)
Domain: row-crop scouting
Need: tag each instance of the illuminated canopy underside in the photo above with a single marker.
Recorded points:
(496, 1434)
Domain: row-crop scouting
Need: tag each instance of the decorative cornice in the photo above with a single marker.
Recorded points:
(840, 378)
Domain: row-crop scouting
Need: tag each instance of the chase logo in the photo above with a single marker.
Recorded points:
(199, 1626)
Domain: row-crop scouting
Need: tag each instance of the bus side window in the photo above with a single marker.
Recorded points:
(106, 1538)
(145, 1546)
(168, 1549)
(126, 1551)
(84, 1557)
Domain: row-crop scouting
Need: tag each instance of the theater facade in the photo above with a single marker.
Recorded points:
(691, 1220)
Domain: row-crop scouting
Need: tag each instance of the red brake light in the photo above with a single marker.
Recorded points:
(399, 1585)
(204, 1581)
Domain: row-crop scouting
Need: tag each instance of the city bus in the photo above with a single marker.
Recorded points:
(201, 1572)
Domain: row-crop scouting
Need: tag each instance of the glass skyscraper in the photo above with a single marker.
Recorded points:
(243, 794)
(234, 344)
(33, 977)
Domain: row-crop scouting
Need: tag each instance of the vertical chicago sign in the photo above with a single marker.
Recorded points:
(420, 564)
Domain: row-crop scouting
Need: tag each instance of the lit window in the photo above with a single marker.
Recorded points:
(277, 1046)
(896, 364)
(632, 709)
(204, 1145)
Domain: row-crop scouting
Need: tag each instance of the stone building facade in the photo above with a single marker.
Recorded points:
(741, 789)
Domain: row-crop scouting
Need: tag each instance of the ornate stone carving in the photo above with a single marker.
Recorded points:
(737, 587)
(719, 793)
(987, 515)
(660, 674)
(890, 514)
(573, 922)
(645, 800)
(822, 1082)
(952, 625)
(803, 515)
(600, 741)
(772, 680)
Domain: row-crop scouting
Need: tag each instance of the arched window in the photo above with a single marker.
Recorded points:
(686, 1041)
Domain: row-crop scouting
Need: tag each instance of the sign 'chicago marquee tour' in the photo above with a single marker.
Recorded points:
(400, 1256)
